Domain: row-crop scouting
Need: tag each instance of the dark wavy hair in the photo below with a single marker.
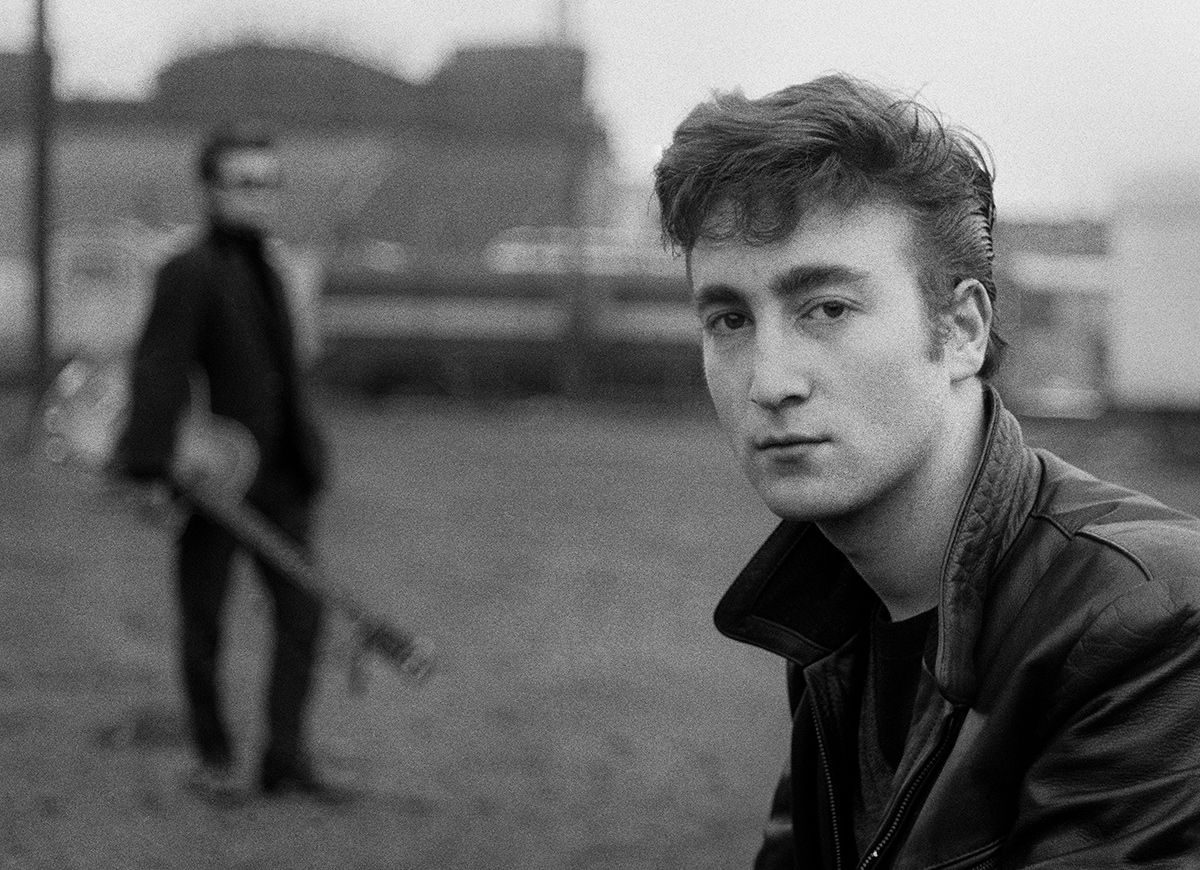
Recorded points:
(750, 169)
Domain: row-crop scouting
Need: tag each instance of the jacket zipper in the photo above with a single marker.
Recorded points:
(837, 840)
(945, 739)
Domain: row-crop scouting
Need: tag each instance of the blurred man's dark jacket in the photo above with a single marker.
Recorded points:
(220, 310)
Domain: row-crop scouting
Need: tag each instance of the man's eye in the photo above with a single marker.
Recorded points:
(830, 311)
(727, 322)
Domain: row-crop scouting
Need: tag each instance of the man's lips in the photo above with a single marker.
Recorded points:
(784, 441)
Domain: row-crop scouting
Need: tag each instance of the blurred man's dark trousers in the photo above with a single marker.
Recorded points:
(205, 556)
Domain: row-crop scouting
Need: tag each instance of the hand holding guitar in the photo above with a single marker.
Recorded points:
(215, 461)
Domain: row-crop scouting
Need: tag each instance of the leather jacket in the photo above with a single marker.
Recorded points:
(1061, 723)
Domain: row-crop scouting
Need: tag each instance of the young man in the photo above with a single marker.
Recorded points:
(993, 658)
(220, 311)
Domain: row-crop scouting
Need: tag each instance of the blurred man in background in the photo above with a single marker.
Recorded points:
(992, 657)
(220, 317)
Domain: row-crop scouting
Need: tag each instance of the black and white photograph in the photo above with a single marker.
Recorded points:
(581, 435)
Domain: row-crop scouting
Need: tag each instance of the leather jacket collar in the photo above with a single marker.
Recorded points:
(800, 598)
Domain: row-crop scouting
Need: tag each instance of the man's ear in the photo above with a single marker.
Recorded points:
(968, 324)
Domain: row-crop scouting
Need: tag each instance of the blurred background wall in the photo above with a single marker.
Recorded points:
(472, 234)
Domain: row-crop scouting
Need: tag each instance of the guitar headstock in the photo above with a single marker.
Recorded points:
(412, 657)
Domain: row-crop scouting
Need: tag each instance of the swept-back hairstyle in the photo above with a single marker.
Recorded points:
(750, 169)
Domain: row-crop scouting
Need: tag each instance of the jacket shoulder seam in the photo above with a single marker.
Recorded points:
(1119, 548)
(1094, 535)
(1053, 521)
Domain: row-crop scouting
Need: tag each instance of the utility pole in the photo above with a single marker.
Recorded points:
(42, 110)
(579, 352)
(565, 22)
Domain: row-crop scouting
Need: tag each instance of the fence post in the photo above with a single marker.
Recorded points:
(578, 344)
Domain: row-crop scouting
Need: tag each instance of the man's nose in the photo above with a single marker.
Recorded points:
(781, 373)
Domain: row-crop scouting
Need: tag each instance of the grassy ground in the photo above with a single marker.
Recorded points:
(566, 560)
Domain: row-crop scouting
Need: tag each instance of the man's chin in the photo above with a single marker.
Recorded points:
(805, 504)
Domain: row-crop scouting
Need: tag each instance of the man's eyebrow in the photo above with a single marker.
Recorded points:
(805, 279)
(716, 294)
(796, 281)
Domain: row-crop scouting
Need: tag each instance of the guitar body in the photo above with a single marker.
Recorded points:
(215, 460)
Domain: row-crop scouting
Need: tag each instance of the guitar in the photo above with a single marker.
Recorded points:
(79, 421)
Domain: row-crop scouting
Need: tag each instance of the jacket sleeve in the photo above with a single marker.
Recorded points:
(1116, 784)
(778, 849)
(312, 454)
(160, 370)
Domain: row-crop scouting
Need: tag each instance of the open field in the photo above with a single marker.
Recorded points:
(566, 558)
(586, 714)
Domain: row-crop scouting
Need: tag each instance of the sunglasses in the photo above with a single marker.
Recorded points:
(247, 182)
(249, 170)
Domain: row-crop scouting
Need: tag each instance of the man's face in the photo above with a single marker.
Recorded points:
(817, 354)
(245, 193)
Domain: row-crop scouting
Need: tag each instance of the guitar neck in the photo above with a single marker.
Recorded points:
(80, 420)
(262, 537)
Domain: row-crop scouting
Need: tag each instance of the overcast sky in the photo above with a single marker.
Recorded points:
(1073, 96)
